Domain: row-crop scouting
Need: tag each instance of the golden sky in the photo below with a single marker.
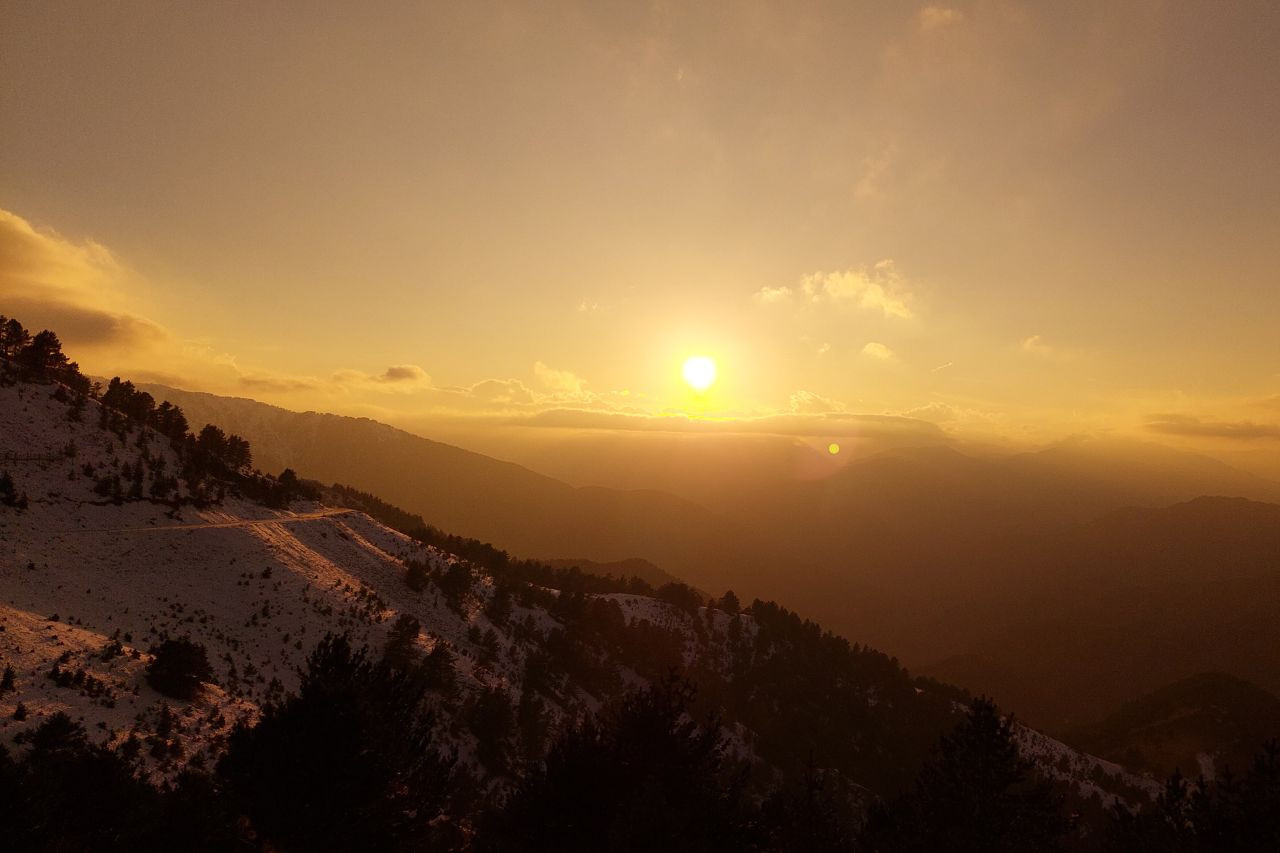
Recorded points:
(1009, 219)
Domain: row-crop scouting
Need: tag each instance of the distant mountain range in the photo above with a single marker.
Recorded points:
(1087, 618)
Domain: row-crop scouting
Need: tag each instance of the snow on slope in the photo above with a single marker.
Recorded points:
(257, 587)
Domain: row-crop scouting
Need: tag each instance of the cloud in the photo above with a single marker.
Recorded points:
(558, 380)
(276, 384)
(769, 295)
(399, 378)
(878, 289)
(798, 424)
(939, 412)
(405, 373)
(1193, 427)
(1036, 346)
(878, 351)
(809, 403)
(82, 325)
(932, 18)
(500, 391)
(48, 281)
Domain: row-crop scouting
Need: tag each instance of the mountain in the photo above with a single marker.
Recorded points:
(1201, 724)
(476, 496)
(97, 582)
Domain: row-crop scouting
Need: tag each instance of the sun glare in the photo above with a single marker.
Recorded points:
(700, 372)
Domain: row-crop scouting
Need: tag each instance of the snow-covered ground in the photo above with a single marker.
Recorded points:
(257, 587)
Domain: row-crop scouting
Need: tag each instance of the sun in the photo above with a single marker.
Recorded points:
(700, 372)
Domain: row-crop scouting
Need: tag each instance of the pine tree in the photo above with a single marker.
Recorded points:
(178, 668)
(43, 355)
(401, 651)
(13, 338)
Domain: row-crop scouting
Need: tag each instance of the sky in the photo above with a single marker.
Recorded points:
(1012, 220)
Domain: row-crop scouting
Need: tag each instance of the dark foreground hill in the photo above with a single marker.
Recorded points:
(1202, 724)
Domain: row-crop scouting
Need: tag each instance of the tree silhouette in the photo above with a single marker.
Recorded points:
(13, 337)
(347, 764)
(643, 776)
(178, 668)
(43, 354)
